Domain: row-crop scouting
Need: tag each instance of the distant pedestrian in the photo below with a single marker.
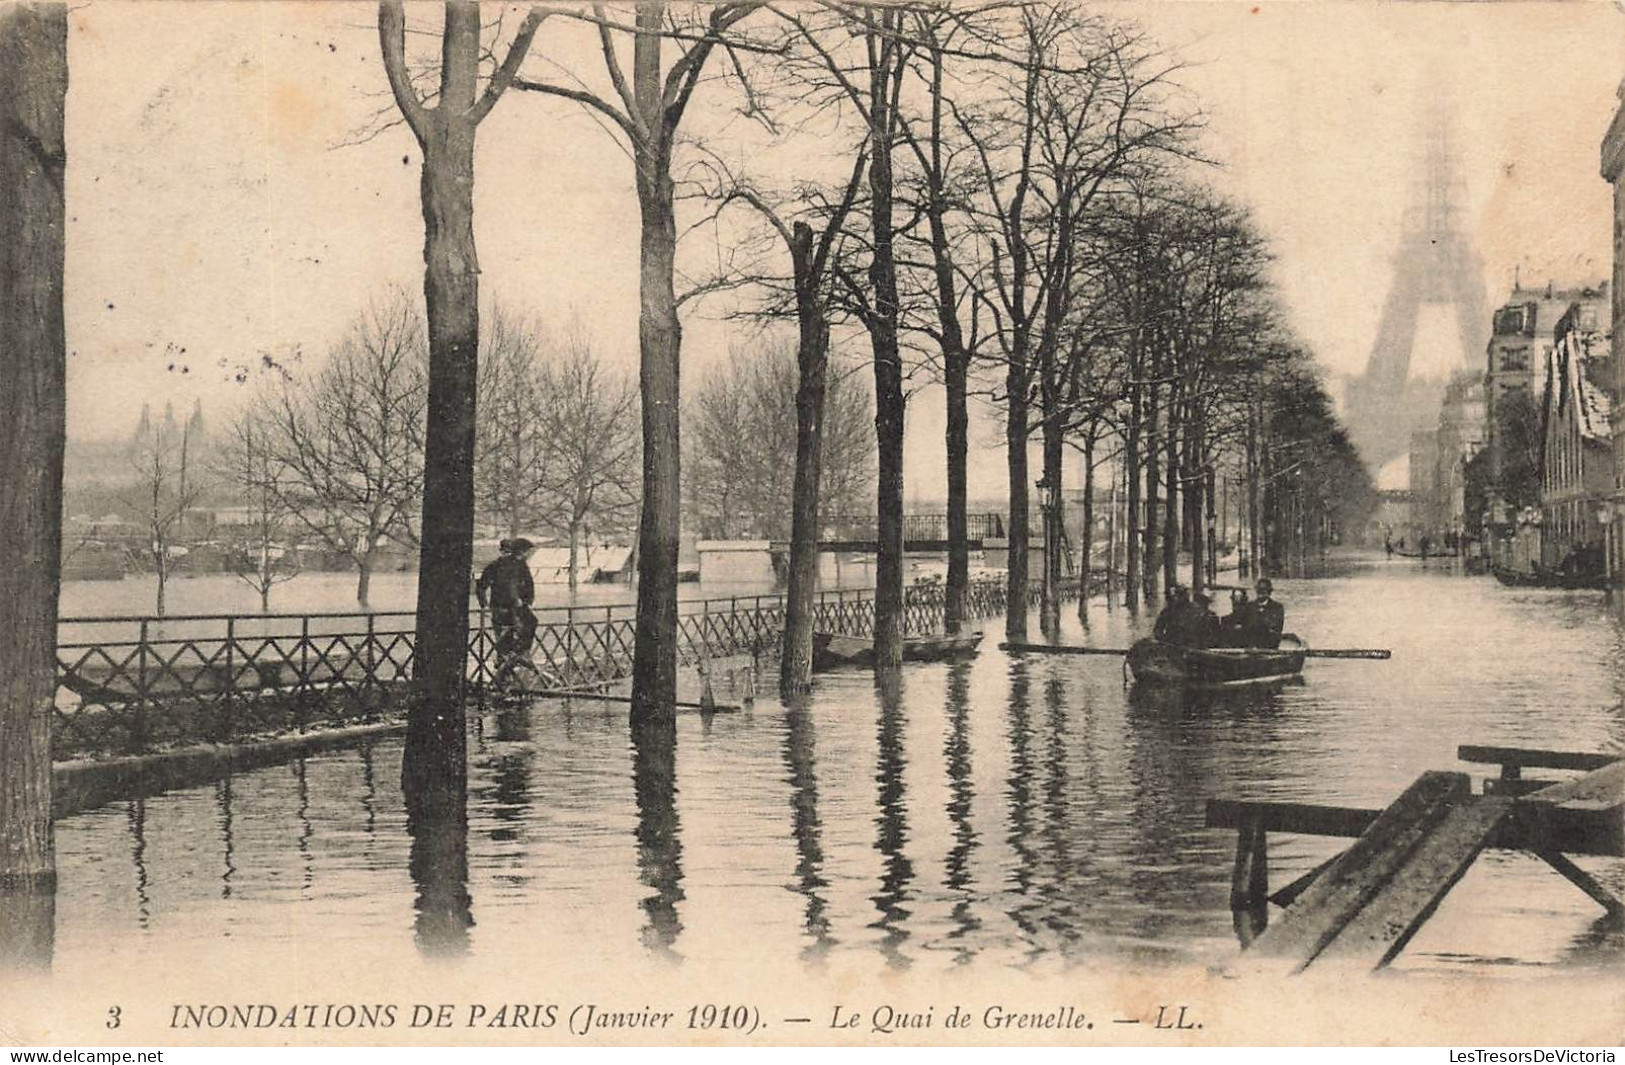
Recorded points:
(507, 588)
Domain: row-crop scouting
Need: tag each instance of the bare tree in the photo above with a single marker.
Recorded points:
(647, 110)
(589, 416)
(257, 552)
(33, 426)
(857, 53)
(745, 440)
(346, 444)
(810, 253)
(167, 485)
(512, 442)
(445, 132)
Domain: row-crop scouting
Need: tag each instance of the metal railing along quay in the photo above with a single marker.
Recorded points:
(131, 685)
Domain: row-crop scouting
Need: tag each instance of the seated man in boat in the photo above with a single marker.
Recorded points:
(506, 586)
(1269, 617)
(1202, 630)
(1236, 627)
(1175, 617)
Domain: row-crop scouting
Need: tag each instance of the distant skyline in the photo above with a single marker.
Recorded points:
(214, 216)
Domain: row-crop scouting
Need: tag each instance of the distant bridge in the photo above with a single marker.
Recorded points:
(924, 533)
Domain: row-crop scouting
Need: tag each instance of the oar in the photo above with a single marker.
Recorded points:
(1370, 653)
(608, 697)
(1062, 649)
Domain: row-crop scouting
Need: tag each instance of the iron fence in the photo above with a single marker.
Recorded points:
(132, 685)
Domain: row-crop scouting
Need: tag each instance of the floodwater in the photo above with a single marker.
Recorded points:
(1031, 812)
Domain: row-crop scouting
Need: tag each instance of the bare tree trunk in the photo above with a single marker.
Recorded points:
(33, 361)
(812, 360)
(1015, 442)
(363, 580)
(1196, 525)
(1252, 567)
(1153, 480)
(888, 358)
(446, 133)
(1086, 538)
(1050, 604)
(956, 374)
(575, 556)
(162, 562)
(1131, 480)
(654, 676)
(451, 292)
(1170, 505)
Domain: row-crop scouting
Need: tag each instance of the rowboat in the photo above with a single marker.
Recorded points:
(836, 649)
(1155, 662)
(1545, 578)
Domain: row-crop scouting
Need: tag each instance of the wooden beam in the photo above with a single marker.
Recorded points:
(1521, 757)
(1285, 896)
(1570, 830)
(1377, 934)
(1361, 872)
(1250, 880)
(1585, 882)
(1305, 818)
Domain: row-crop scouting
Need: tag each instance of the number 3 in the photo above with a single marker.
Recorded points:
(113, 1020)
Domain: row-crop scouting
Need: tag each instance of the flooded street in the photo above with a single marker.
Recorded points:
(1012, 812)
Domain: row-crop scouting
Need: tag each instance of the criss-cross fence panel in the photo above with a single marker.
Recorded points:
(139, 684)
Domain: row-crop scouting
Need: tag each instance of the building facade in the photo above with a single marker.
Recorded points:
(1461, 436)
(1518, 358)
(1613, 164)
(1577, 475)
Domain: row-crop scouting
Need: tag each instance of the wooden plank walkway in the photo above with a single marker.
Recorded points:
(1364, 905)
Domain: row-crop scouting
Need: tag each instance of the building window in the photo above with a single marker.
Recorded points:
(1514, 359)
(1509, 320)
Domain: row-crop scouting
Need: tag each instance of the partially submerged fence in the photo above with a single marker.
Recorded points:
(131, 685)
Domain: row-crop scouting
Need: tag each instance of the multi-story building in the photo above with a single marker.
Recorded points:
(1461, 437)
(1613, 165)
(1518, 356)
(1577, 475)
(1426, 514)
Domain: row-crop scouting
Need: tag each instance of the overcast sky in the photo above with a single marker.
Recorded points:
(216, 211)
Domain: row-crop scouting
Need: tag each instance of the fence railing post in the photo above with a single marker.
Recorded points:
(138, 723)
(302, 697)
(228, 718)
(370, 685)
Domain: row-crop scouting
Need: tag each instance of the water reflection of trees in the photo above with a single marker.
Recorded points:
(897, 872)
(228, 844)
(660, 849)
(1183, 749)
(800, 763)
(506, 794)
(435, 786)
(27, 927)
(1020, 806)
(956, 754)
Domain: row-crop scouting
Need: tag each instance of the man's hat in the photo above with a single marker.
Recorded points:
(517, 546)
(1264, 585)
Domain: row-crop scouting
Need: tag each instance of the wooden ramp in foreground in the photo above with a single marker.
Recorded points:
(1362, 907)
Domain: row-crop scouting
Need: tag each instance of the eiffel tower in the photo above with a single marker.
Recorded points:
(1436, 263)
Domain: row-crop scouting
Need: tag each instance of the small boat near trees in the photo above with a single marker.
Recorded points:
(837, 649)
(1546, 578)
(1155, 662)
